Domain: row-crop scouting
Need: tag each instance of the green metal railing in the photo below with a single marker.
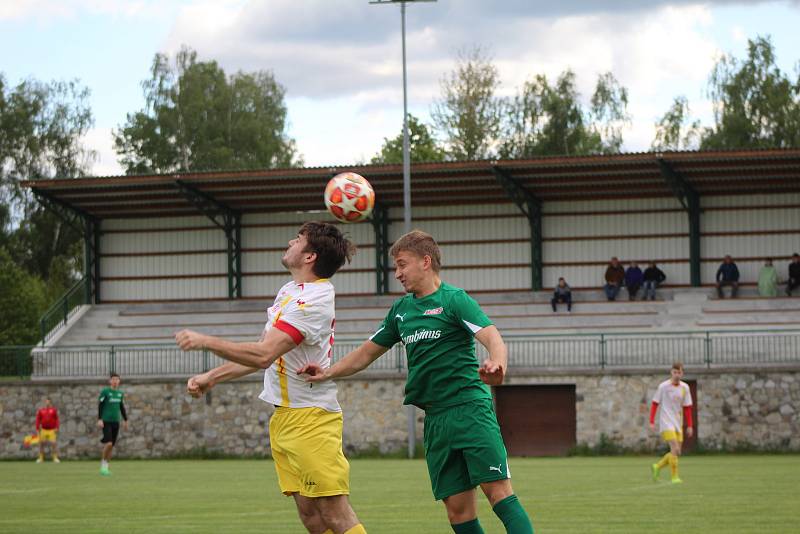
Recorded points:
(60, 312)
(15, 360)
(609, 351)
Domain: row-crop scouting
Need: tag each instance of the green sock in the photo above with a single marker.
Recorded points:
(468, 527)
(513, 516)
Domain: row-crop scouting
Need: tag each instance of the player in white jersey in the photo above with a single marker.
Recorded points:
(306, 428)
(674, 398)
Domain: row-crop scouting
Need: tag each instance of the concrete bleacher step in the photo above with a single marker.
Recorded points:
(515, 313)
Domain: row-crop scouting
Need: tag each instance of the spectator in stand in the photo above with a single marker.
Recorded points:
(653, 277)
(615, 276)
(47, 426)
(727, 275)
(633, 280)
(563, 294)
(768, 280)
(794, 274)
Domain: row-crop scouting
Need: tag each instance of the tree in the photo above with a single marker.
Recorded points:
(422, 146)
(546, 119)
(755, 103)
(21, 303)
(41, 126)
(468, 116)
(673, 131)
(198, 118)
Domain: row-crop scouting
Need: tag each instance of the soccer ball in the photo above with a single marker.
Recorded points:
(349, 197)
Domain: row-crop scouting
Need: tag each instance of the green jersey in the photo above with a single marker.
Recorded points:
(438, 332)
(110, 404)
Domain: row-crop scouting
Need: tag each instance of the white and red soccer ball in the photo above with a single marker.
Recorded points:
(349, 197)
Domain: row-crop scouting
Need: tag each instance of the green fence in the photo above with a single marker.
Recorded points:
(707, 349)
(15, 361)
(60, 312)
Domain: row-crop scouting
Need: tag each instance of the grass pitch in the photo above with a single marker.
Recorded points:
(745, 493)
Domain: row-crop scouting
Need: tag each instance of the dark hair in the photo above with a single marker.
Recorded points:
(331, 247)
(678, 366)
(115, 374)
(420, 244)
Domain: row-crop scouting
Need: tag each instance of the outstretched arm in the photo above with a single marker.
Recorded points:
(199, 384)
(352, 363)
(493, 370)
(258, 355)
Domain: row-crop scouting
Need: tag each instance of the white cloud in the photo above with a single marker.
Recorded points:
(101, 141)
(341, 62)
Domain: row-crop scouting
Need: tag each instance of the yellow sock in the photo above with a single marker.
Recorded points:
(673, 465)
(329, 531)
(663, 461)
(358, 529)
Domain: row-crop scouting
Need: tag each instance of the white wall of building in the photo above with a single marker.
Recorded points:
(484, 247)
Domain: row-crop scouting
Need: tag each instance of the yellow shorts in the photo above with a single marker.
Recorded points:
(672, 435)
(307, 449)
(48, 435)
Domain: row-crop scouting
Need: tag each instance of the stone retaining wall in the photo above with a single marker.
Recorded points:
(761, 409)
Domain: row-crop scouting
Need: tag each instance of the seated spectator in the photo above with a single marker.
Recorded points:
(615, 275)
(794, 274)
(727, 275)
(768, 280)
(562, 293)
(653, 277)
(633, 280)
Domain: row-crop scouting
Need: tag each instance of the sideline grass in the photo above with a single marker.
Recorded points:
(744, 493)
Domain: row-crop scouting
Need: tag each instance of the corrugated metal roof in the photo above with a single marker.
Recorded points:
(550, 178)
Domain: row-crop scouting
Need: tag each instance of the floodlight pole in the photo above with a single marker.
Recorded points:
(411, 411)
(406, 155)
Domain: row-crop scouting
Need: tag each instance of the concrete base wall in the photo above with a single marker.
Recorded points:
(761, 409)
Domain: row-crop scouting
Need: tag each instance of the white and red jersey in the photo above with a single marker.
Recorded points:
(306, 313)
(672, 399)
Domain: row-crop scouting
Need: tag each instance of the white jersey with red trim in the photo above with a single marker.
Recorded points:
(306, 313)
(671, 399)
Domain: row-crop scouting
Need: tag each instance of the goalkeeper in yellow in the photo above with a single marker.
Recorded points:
(306, 428)
(674, 398)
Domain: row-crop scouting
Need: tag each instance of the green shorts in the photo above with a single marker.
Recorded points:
(464, 448)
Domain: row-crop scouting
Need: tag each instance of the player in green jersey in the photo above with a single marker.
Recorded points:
(438, 323)
(110, 411)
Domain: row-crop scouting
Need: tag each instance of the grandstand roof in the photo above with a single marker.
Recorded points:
(634, 175)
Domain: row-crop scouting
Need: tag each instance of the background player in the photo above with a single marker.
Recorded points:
(47, 427)
(110, 411)
(675, 399)
(438, 325)
(306, 428)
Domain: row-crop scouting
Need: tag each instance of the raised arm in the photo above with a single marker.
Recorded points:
(352, 363)
(259, 355)
(493, 370)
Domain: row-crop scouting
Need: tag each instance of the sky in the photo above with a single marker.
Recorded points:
(341, 65)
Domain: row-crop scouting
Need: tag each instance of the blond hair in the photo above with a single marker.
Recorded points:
(420, 244)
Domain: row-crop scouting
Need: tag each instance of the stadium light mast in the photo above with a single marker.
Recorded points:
(412, 427)
(406, 143)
